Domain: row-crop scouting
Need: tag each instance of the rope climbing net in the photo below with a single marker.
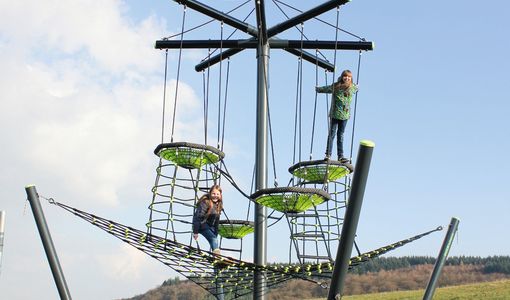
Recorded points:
(218, 274)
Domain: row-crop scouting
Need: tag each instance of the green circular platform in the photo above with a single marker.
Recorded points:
(235, 229)
(321, 171)
(290, 199)
(189, 155)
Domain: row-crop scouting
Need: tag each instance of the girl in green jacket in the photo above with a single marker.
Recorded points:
(339, 112)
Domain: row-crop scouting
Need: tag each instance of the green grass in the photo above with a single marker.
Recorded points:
(495, 290)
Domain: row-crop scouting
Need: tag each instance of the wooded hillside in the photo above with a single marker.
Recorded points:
(378, 275)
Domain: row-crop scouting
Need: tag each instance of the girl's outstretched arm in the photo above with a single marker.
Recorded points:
(324, 89)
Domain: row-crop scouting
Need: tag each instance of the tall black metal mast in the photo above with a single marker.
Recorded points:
(262, 39)
(260, 234)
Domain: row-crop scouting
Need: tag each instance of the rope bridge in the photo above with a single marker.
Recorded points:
(219, 274)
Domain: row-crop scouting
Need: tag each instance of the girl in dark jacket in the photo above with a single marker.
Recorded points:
(207, 216)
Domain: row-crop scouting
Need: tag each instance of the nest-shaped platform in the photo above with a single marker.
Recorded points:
(290, 199)
(321, 171)
(189, 155)
(235, 229)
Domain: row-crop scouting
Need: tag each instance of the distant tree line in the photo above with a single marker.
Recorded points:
(491, 264)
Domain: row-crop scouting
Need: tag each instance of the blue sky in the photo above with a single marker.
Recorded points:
(81, 114)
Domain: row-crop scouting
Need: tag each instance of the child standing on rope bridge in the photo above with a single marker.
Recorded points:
(339, 112)
(207, 216)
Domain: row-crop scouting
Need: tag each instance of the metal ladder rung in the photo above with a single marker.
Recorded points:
(314, 257)
(307, 235)
(228, 249)
(294, 215)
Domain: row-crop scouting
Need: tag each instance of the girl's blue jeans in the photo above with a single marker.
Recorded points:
(336, 127)
(210, 235)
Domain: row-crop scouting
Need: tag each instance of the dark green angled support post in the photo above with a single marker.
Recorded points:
(441, 259)
(49, 248)
(352, 214)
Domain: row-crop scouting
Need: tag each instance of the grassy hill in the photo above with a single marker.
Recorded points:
(495, 290)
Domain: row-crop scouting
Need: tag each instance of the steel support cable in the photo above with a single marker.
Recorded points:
(205, 23)
(327, 99)
(272, 148)
(219, 86)
(333, 73)
(230, 179)
(355, 104)
(164, 98)
(283, 12)
(315, 102)
(270, 130)
(298, 106)
(224, 108)
(225, 104)
(336, 49)
(296, 112)
(231, 34)
(204, 93)
(178, 74)
(320, 20)
(206, 100)
(252, 190)
(301, 93)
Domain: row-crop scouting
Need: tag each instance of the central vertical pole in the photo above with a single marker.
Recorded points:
(260, 235)
(260, 245)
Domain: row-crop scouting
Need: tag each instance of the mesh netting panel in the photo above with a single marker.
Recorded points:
(175, 194)
(219, 274)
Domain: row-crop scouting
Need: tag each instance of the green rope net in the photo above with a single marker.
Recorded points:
(220, 274)
(290, 199)
(235, 229)
(321, 171)
(189, 155)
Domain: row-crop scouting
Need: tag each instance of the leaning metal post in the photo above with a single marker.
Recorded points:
(49, 248)
(352, 214)
(441, 259)
(2, 226)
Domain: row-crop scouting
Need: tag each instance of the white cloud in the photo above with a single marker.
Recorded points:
(81, 108)
(96, 29)
(88, 117)
(125, 264)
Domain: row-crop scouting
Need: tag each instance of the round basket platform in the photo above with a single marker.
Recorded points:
(290, 199)
(189, 155)
(235, 229)
(321, 171)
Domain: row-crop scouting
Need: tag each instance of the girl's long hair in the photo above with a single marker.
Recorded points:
(344, 86)
(207, 197)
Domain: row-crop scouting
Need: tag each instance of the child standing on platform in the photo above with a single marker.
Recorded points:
(339, 112)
